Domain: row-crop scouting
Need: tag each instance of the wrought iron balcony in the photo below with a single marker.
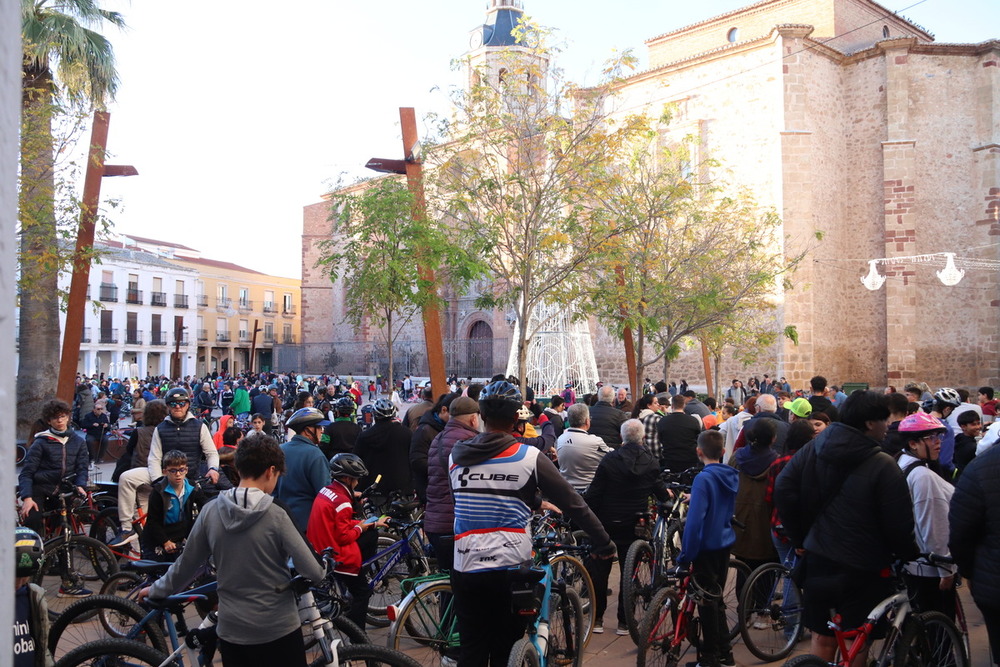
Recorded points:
(158, 338)
(109, 293)
(109, 336)
(158, 298)
(270, 308)
(133, 337)
(203, 301)
(202, 334)
(133, 295)
(180, 301)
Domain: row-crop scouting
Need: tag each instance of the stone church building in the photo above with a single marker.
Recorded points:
(847, 120)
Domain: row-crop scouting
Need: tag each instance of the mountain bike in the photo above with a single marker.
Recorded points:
(770, 610)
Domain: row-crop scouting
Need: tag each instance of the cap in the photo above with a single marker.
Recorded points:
(463, 405)
(800, 407)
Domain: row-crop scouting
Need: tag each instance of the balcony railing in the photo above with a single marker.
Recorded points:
(270, 308)
(288, 310)
(158, 298)
(133, 337)
(202, 334)
(222, 303)
(223, 336)
(269, 339)
(133, 295)
(203, 301)
(244, 336)
(182, 341)
(288, 339)
(109, 336)
(245, 305)
(158, 338)
(109, 293)
(86, 335)
(180, 301)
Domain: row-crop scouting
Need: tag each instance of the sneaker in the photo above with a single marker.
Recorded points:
(74, 592)
(122, 538)
(728, 660)
(448, 661)
(622, 630)
(598, 628)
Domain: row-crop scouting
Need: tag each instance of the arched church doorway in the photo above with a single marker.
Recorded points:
(479, 359)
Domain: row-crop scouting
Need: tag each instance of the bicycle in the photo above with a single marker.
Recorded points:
(770, 610)
(555, 629)
(424, 622)
(649, 560)
(930, 638)
(394, 561)
(569, 569)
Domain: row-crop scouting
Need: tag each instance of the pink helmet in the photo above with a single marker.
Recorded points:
(921, 422)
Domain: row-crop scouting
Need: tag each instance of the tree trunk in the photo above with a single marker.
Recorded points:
(522, 353)
(389, 341)
(38, 358)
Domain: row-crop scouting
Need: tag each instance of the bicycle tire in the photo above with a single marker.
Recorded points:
(524, 654)
(656, 630)
(571, 572)
(372, 655)
(115, 649)
(566, 629)
(344, 630)
(942, 644)
(104, 529)
(901, 648)
(770, 628)
(68, 633)
(637, 585)
(675, 533)
(87, 560)
(737, 572)
(388, 590)
(124, 584)
(419, 624)
(806, 661)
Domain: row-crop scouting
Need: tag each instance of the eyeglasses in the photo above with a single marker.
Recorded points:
(178, 404)
(934, 437)
(177, 471)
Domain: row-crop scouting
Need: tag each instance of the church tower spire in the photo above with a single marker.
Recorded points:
(501, 19)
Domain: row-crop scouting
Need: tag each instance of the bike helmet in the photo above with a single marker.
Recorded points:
(383, 408)
(29, 552)
(948, 396)
(347, 465)
(501, 390)
(303, 418)
(175, 395)
(345, 406)
(921, 423)
(524, 414)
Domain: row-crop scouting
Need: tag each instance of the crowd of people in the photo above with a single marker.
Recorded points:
(850, 483)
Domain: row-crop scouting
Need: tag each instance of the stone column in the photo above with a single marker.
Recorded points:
(898, 180)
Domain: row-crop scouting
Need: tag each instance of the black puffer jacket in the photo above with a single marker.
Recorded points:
(606, 421)
(868, 523)
(975, 527)
(624, 480)
(49, 459)
(385, 449)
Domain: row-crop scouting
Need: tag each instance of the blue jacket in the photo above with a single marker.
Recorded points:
(709, 520)
(306, 472)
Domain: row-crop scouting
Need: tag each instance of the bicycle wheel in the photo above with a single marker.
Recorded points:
(116, 616)
(571, 571)
(770, 612)
(901, 648)
(675, 530)
(113, 652)
(73, 564)
(425, 625)
(807, 661)
(105, 528)
(124, 584)
(566, 629)
(342, 629)
(387, 590)
(372, 655)
(656, 631)
(524, 654)
(738, 572)
(941, 642)
(637, 585)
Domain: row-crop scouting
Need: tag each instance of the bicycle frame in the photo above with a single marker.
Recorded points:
(899, 603)
(175, 629)
(538, 630)
(398, 550)
(682, 613)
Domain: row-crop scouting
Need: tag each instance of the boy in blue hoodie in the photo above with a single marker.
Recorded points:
(708, 537)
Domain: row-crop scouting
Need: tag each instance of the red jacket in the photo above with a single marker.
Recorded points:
(332, 524)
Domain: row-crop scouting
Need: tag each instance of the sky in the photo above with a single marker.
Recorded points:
(239, 114)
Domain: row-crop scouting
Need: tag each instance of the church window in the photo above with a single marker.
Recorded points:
(885, 32)
(732, 35)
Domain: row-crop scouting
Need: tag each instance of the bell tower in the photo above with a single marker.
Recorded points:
(493, 49)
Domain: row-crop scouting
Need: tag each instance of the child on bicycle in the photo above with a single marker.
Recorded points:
(332, 523)
(173, 505)
(706, 542)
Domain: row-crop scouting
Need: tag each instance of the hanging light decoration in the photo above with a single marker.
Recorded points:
(873, 280)
(950, 275)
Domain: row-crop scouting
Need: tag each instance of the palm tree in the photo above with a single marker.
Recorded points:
(63, 59)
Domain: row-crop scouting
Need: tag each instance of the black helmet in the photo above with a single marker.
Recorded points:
(501, 390)
(303, 418)
(345, 406)
(176, 394)
(29, 552)
(383, 408)
(347, 465)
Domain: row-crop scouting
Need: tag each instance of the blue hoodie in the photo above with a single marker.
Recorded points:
(709, 519)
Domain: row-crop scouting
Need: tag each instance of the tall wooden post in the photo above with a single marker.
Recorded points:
(633, 372)
(431, 316)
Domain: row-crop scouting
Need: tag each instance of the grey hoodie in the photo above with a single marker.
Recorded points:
(251, 540)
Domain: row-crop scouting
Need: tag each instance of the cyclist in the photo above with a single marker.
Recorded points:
(308, 469)
(31, 616)
(932, 588)
(205, 401)
(333, 523)
(941, 406)
(173, 506)
(494, 480)
(344, 431)
(385, 449)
